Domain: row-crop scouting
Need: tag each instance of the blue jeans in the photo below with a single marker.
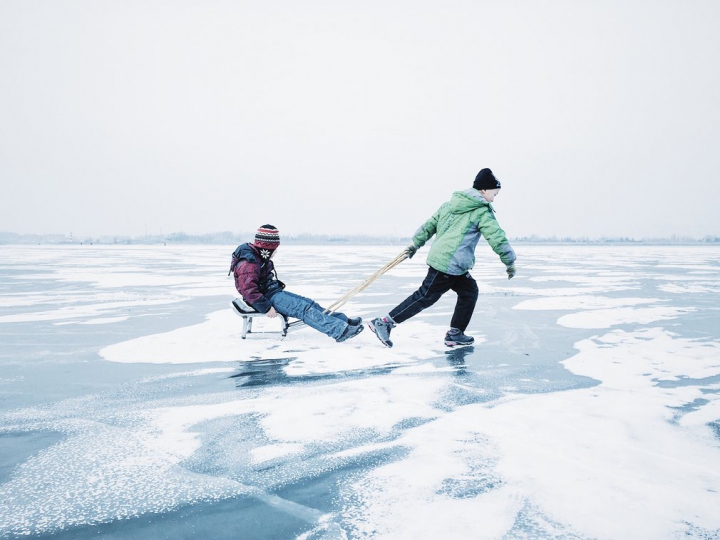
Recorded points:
(309, 312)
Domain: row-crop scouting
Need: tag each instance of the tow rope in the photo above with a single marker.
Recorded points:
(364, 285)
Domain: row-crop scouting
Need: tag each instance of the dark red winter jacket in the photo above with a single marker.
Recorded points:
(255, 277)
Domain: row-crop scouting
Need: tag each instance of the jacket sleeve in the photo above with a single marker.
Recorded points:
(247, 283)
(426, 231)
(490, 229)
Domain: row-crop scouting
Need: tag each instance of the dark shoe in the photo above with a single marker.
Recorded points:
(456, 337)
(381, 328)
(354, 321)
(350, 332)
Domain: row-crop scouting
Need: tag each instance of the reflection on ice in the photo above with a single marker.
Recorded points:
(273, 371)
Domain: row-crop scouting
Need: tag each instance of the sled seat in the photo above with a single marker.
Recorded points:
(248, 313)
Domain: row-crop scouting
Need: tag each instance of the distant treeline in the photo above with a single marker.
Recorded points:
(223, 238)
(615, 240)
(230, 238)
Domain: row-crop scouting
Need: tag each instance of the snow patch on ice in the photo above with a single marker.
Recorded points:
(603, 462)
(674, 288)
(218, 339)
(92, 310)
(605, 318)
(192, 373)
(105, 320)
(581, 302)
(261, 454)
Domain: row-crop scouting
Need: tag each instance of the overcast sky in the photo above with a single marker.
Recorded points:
(600, 118)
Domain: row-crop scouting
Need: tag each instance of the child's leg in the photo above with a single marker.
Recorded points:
(433, 287)
(308, 311)
(467, 291)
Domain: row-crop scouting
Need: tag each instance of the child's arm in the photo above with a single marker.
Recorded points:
(490, 229)
(426, 231)
(247, 283)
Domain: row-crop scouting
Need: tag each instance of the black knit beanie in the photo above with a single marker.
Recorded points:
(485, 179)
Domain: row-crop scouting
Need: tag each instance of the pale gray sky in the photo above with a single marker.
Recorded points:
(119, 117)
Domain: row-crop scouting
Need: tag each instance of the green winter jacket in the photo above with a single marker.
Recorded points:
(459, 224)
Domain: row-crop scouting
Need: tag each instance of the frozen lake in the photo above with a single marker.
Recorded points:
(130, 407)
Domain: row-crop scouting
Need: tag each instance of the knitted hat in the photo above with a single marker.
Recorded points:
(267, 237)
(485, 179)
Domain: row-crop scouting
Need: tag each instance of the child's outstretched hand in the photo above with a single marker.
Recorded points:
(271, 313)
(411, 250)
(510, 271)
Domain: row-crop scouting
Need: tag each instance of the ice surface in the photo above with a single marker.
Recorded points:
(605, 318)
(587, 408)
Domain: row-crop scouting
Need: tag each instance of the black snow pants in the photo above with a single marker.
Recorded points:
(435, 285)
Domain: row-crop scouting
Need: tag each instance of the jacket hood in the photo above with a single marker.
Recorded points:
(243, 251)
(462, 202)
(247, 252)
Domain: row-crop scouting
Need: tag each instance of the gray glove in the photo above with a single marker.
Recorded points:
(411, 250)
(510, 271)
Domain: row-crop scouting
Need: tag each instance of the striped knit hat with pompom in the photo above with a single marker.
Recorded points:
(267, 239)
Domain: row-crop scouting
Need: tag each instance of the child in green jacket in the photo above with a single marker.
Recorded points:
(457, 225)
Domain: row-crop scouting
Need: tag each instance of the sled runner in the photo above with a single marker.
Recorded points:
(241, 309)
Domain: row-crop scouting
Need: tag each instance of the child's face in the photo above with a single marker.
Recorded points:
(490, 194)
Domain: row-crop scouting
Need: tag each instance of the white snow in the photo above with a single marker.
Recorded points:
(605, 318)
(581, 302)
